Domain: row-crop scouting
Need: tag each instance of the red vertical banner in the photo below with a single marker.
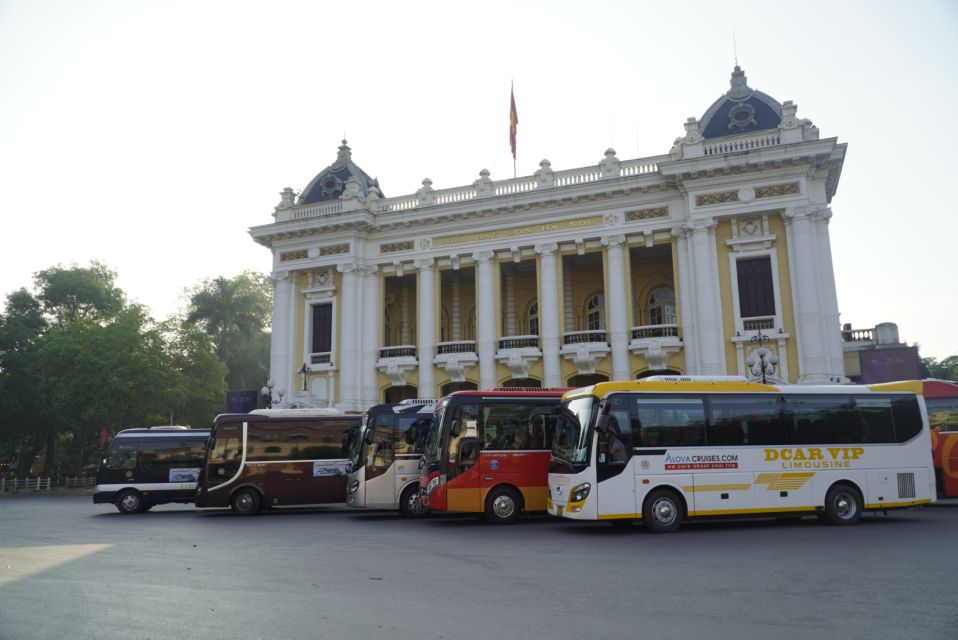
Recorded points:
(513, 121)
(104, 437)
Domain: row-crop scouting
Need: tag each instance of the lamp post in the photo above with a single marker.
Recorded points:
(761, 362)
(304, 371)
(267, 393)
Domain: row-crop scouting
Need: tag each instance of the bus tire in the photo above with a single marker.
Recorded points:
(246, 502)
(663, 511)
(129, 501)
(409, 504)
(843, 504)
(503, 505)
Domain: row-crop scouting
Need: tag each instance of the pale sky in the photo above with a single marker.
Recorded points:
(152, 135)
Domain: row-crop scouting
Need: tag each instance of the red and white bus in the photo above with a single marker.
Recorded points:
(488, 452)
(941, 400)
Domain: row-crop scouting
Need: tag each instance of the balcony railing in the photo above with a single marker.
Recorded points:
(519, 342)
(858, 335)
(459, 346)
(655, 331)
(320, 358)
(582, 337)
(758, 323)
(400, 351)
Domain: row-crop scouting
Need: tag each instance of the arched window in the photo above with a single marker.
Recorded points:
(662, 306)
(532, 318)
(595, 312)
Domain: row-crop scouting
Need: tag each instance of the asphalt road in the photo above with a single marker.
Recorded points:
(70, 569)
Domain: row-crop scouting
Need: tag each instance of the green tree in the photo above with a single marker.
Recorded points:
(203, 376)
(946, 369)
(79, 293)
(235, 313)
(23, 419)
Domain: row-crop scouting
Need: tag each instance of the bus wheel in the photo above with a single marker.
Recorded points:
(129, 501)
(663, 511)
(409, 503)
(843, 504)
(245, 502)
(503, 506)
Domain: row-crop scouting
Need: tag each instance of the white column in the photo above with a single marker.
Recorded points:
(708, 311)
(405, 309)
(486, 318)
(281, 339)
(687, 307)
(426, 299)
(509, 295)
(618, 313)
(549, 315)
(350, 345)
(831, 322)
(802, 249)
(371, 314)
(455, 314)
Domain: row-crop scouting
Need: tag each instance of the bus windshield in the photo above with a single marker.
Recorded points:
(573, 431)
(433, 448)
(355, 448)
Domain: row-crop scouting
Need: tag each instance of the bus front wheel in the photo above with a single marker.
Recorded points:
(245, 502)
(503, 506)
(843, 504)
(130, 501)
(663, 511)
(410, 505)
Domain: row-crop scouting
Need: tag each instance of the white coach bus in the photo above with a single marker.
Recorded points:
(664, 449)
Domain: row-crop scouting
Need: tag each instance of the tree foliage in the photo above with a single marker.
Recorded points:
(77, 359)
(946, 369)
(235, 314)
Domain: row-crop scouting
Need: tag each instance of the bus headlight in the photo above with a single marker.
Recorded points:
(580, 492)
(354, 486)
(432, 485)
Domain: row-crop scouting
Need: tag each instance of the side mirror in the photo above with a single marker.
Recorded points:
(468, 452)
(455, 428)
(369, 435)
(602, 421)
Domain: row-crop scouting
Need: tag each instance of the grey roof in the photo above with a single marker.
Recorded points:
(331, 181)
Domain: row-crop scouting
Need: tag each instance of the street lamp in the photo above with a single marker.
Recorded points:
(304, 371)
(267, 393)
(761, 362)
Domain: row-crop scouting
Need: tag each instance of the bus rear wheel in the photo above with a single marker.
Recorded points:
(503, 506)
(130, 501)
(246, 502)
(843, 504)
(410, 505)
(663, 511)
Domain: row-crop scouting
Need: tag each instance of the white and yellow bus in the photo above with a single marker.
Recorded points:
(665, 449)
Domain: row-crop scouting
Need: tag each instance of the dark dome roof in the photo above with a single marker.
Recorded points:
(741, 110)
(331, 181)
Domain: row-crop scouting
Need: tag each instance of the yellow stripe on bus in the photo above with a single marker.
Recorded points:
(895, 505)
(717, 487)
(914, 386)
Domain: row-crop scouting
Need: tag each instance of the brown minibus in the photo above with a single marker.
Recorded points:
(277, 457)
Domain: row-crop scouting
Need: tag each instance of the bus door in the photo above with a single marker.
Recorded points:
(225, 453)
(122, 464)
(613, 455)
(462, 454)
(408, 446)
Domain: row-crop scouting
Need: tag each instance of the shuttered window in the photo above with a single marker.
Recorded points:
(322, 328)
(756, 293)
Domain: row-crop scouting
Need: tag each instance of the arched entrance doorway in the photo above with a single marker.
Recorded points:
(398, 394)
(586, 379)
(457, 386)
(657, 372)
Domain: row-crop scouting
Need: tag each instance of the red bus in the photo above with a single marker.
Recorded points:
(941, 399)
(488, 452)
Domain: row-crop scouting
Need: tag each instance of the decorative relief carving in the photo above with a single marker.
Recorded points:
(777, 190)
(645, 214)
(293, 255)
(334, 250)
(721, 197)
(393, 247)
(498, 234)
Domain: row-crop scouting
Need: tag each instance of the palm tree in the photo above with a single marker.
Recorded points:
(235, 314)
